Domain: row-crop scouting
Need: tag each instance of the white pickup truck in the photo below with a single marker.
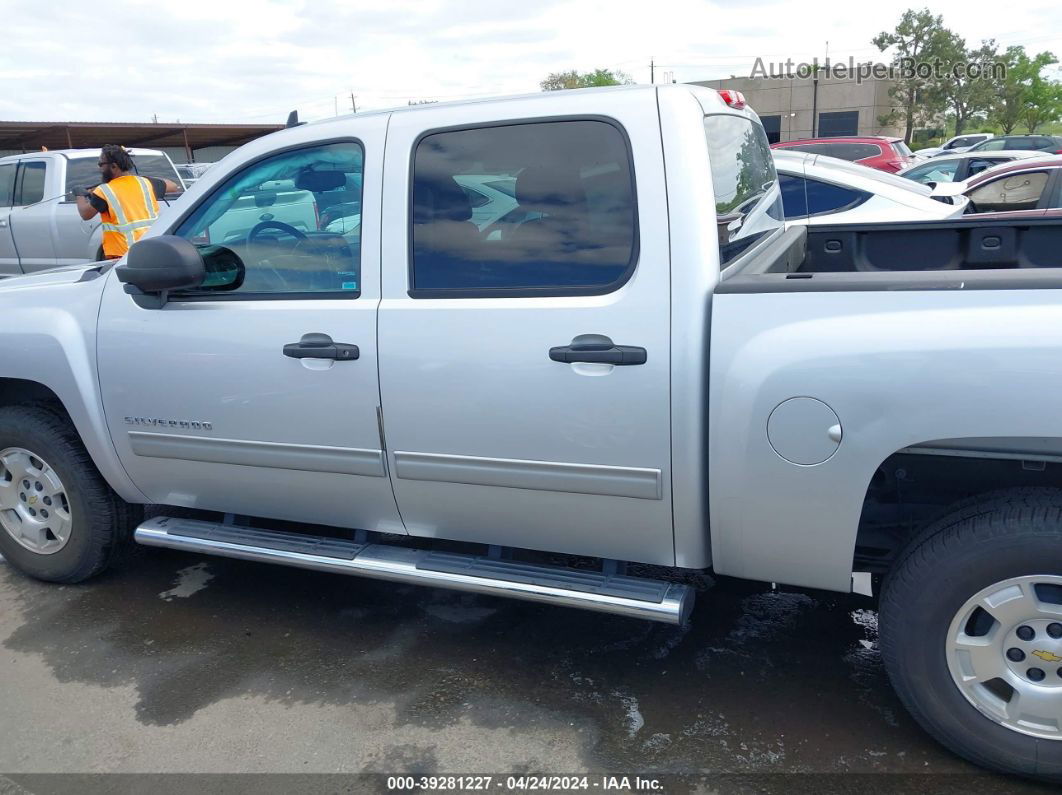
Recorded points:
(629, 367)
(39, 224)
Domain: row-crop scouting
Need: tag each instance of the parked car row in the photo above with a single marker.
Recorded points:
(854, 180)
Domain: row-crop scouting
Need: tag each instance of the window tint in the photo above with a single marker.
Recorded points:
(794, 197)
(291, 223)
(772, 125)
(826, 198)
(1025, 142)
(747, 204)
(991, 145)
(155, 166)
(850, 151)
(29, 188)
(82, 172)
(1012, 192)
(902, 149)
(563, 220)
(979, 164)
(845, 122)
(941, 171)
(7, 183)
(814, 149)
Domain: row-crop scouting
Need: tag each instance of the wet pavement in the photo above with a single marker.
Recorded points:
(178, 663)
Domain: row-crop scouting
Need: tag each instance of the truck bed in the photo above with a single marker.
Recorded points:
(968, 253)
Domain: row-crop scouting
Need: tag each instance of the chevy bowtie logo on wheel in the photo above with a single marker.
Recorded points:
(1047, 656)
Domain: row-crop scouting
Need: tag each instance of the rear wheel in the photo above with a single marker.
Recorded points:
(59, 520)
(971, 631)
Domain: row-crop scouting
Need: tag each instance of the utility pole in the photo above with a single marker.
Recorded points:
(652, 71)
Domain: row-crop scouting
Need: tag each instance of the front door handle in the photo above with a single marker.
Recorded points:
(598, 353)
(321, 346)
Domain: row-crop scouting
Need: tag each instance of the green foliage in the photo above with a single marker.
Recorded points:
(573, 79)
(919, 36)
(1024, 96)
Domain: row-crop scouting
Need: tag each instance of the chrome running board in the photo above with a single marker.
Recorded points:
(637, 597)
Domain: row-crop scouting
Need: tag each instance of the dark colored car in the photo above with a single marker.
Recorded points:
(875, 151)
(1042, 143)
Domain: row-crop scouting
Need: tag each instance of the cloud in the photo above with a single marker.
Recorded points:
(244, 60)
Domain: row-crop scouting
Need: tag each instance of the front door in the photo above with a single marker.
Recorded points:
(220, 400)
(524, 352)
(8, 255)
(32, 222)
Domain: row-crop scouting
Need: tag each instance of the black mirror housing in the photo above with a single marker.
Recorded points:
(160, 264)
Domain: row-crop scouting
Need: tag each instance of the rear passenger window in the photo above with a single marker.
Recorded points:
(794, 199)
(748, 206)
(826, 198)
(851, 151)
(537, 208)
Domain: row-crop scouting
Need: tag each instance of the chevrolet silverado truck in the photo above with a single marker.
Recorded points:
(39, 224)
(635, 364)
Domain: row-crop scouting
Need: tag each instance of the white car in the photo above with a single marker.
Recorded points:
(960, 143)
(817, 189)
(962, 166)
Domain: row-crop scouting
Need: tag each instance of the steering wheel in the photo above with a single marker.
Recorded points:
(280, 226)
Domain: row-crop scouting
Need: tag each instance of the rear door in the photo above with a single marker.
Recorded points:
(524, 366)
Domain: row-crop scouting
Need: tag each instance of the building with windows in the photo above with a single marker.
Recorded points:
(797, 107)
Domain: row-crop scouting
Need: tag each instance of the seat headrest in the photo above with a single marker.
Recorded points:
(439, 199)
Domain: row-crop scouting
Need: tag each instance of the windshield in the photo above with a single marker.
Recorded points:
(748, 202)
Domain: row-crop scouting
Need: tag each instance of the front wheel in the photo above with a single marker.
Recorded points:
(59, 520)
(971, 631)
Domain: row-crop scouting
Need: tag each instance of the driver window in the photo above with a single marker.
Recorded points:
(292, 221)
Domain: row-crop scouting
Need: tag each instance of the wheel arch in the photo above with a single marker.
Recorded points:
(918, 484)
(30, 392)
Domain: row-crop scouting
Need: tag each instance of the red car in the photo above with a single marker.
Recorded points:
(876, 151)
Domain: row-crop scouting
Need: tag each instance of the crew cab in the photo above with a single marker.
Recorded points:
(39, 224)
(637, 363)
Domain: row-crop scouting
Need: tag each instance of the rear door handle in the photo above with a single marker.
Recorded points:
(602, 354)
(321, 346)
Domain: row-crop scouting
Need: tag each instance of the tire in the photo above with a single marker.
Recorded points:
(97, 521)
(929, 608)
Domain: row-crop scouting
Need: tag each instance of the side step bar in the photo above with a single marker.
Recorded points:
(655, 600)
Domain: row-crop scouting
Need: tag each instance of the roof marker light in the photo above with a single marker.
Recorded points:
(734, 99)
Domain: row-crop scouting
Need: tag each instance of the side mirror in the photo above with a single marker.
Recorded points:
(160, 264)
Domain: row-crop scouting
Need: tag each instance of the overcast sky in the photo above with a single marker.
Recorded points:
(236, 61)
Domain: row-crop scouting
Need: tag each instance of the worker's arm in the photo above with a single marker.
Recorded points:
(88, 204)
(164, 186)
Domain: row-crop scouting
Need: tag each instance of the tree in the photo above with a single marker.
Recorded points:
(1024, 95)
(1043, 103)
(573, 79)
(919, 38)
(966, 96)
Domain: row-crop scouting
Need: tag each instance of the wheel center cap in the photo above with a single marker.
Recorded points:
(32, 500)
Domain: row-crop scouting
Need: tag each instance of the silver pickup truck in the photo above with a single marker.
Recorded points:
(627, 372)
(39, 224)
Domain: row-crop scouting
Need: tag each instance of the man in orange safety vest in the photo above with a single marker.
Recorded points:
(127, 204)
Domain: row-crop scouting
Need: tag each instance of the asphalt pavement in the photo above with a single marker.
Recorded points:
(173, 663)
